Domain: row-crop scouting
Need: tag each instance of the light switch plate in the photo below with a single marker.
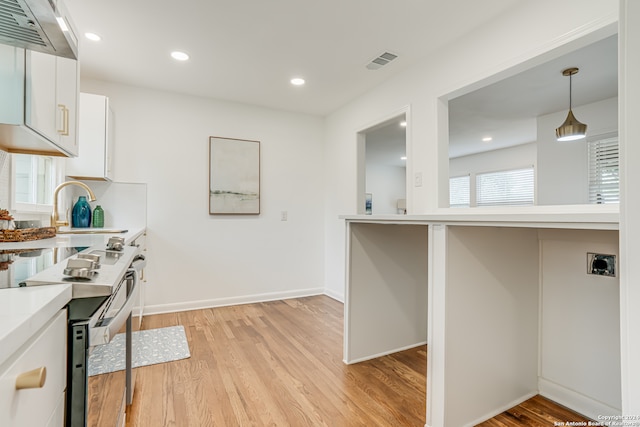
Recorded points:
(417, 179)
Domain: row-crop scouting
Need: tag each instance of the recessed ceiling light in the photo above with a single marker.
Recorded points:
(487, 139)
(297, 81)
(93, 37)
(403, 123)
(403, 158)
(179, 56)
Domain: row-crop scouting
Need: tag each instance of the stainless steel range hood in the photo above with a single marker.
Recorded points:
(38, 25)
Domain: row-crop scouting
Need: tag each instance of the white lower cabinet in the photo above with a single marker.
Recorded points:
(57, 418)
(36, 405)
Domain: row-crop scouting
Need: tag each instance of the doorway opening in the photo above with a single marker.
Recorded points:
(382, 167)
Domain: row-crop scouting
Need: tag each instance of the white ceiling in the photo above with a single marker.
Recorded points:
(247, 50)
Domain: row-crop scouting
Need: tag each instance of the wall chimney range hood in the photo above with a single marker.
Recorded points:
(39, 25)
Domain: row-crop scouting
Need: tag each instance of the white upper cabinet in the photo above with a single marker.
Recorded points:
(38, 107)
(95, 132)
(51, 98)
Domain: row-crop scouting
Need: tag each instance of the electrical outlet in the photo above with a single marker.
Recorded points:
(601, 264)
(283, 216)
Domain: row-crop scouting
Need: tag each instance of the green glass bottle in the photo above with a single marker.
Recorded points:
(98, 217)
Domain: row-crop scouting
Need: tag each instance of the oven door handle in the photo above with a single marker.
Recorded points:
(104, 334)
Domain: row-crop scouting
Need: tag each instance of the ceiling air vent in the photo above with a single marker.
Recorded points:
(381, 60)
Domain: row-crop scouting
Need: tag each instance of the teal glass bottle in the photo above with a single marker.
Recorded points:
(81, 213)
(98, 217)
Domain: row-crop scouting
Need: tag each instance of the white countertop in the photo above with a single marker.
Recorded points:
(23, 311)
(593, 217)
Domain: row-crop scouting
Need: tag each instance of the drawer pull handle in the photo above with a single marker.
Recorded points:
(32, 379)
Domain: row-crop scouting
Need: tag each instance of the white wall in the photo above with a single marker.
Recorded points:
(496, 160)
(124, 203)
(386, 309)
(200, 260)
(387, 185)
(562, 176)
(498, 49)
(580, 323)
(491, 310)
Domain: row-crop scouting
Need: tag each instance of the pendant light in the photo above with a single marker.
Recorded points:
(571, 129)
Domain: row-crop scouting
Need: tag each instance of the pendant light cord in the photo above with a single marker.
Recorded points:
(570, 90)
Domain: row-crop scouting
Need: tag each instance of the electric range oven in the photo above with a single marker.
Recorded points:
(102, 303)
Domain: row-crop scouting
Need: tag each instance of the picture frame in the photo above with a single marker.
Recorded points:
(234, 176)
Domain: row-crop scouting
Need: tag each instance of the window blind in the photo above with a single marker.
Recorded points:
(510, 187)
(459, 191)
(604, 177)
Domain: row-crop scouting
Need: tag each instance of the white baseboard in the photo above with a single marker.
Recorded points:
(222, 302)
(503, 408)
(336, 296)
(575, 401)
(385, 353)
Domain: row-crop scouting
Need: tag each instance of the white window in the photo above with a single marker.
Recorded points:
(604, 177)
(510, 187)
(459, 191)
(33, 180)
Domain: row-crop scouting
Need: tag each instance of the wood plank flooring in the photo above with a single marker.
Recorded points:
(536, 411)
(279, 364)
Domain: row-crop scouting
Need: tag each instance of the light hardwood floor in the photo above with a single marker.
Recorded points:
(279, 364)
(536, 411)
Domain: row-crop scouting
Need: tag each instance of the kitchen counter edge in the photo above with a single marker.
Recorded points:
(24, 312)
(592, 217)
(73, 240)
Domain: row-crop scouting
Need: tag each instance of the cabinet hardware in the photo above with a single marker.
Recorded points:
(65, 120)
(32, 379)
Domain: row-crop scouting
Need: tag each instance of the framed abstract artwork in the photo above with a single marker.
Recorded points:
(234, 176)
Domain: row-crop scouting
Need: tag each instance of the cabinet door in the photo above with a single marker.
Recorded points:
(67, 103)
(40, 97)
(51, 98)
(11, 85)
(37, 406)
(95, 130)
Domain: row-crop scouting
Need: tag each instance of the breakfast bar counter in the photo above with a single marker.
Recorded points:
(487, 289)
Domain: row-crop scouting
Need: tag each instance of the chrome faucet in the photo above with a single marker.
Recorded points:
(55, 222)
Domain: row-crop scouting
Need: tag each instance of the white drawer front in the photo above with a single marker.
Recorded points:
(57, 418)
(35, 406)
